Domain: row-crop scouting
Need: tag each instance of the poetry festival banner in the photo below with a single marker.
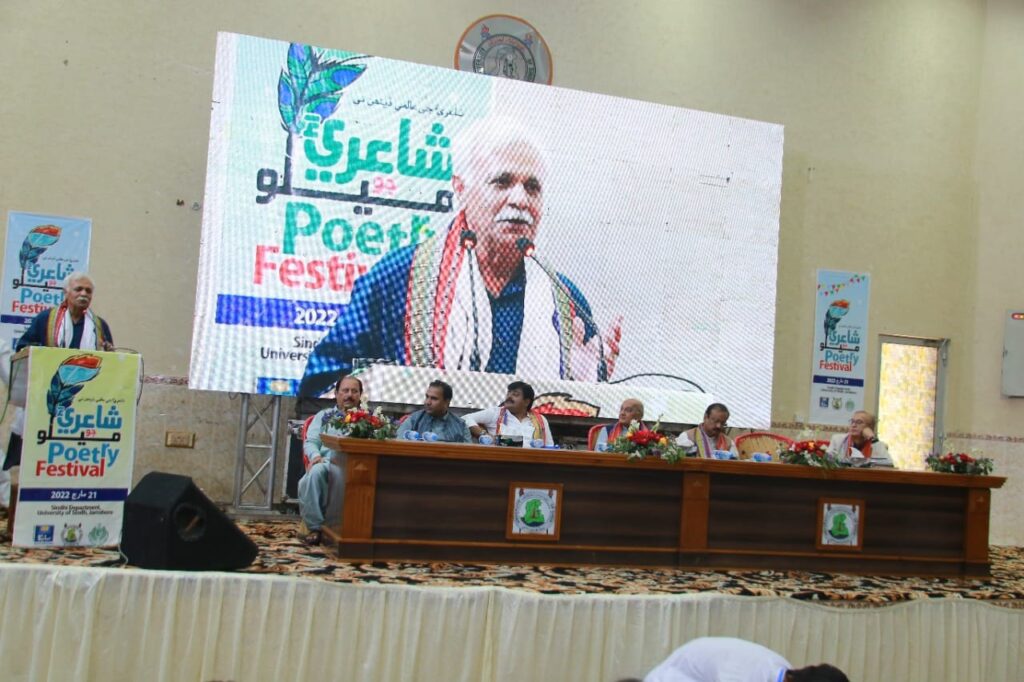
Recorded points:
(362, 210)
(40, 251)
(79, 447)
(840, 346)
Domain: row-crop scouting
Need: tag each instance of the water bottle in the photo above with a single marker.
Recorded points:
(412, 435)
(536, 443)
(486, 440)
(602, 447)
(430, 437)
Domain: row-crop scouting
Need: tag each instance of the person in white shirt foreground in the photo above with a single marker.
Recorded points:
(726, 659)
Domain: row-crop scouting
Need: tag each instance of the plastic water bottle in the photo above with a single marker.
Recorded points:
(412, 435)
(602, 447)
(430, 437)
(486, 440)
(536, 443)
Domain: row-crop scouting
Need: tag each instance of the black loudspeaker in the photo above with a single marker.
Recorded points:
(170, 524)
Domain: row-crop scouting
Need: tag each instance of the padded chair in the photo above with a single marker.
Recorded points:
(335, 482)
(592, 436)
(305, 428)
(761, 441)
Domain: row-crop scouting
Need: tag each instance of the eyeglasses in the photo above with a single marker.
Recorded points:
(858, 422)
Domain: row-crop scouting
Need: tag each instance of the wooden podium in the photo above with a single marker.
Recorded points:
(450, 502)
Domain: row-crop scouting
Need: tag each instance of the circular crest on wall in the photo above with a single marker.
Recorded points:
(505, 46)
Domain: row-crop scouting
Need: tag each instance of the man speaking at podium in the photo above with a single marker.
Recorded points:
(69, 325)
(474, 296)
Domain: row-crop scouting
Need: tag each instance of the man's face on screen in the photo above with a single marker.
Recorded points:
(502, 195)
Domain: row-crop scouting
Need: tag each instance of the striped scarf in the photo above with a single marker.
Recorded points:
(448, 314)
(539, 432)
(704, 446)
(59, 331)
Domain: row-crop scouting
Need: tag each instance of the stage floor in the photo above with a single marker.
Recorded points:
(281, 553)
(299, 613)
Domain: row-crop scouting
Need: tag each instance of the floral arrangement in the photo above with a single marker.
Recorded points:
(637, 444)
(357, 422)
(959, 463)
(812, 453)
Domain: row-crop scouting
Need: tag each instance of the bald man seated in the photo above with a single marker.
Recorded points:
(631, 410)
(860, 446)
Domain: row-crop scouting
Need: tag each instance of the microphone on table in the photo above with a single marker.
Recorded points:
(528, 249)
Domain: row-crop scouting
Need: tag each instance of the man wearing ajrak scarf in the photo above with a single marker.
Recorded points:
(70, 325)
(709, 436)
(514, 418)
(474, 296)
(631, 410)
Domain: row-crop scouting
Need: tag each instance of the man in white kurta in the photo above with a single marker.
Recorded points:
(513, 418)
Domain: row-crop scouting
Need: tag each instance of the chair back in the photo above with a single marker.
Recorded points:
(761, 441)
(305, 427)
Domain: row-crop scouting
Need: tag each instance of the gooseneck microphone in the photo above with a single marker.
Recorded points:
(468, 240)
(527, 248)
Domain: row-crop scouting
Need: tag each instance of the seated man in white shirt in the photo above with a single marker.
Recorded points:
(709, 436)
(513, 418)
(726, 659)
(313, 486)
(860, 445)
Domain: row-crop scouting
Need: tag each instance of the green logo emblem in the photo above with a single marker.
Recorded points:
(98, 535)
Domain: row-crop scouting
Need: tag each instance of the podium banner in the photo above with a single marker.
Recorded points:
(840, 346)
(79, 447)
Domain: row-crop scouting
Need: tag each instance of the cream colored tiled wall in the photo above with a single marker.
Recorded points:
(213, 417)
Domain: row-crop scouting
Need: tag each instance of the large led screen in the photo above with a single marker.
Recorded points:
(424, 222)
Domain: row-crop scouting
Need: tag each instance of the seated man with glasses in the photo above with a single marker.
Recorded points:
(860, 445)
(709, 436)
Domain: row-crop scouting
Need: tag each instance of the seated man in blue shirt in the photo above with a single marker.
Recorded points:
(435, 417)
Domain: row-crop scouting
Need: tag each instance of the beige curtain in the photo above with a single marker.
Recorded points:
(101, 624)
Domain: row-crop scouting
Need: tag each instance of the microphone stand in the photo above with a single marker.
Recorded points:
(468, 240)
(527, 248)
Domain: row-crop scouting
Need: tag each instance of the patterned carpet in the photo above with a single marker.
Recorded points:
(282, 553)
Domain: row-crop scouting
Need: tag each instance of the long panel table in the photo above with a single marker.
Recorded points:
(445, 502)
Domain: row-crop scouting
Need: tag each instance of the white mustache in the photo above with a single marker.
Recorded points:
(509, 214)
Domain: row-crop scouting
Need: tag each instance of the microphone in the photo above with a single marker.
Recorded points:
(468, 240)
(528, 249)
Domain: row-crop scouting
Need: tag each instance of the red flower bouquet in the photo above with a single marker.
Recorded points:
(812, 453)
(959, 463)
